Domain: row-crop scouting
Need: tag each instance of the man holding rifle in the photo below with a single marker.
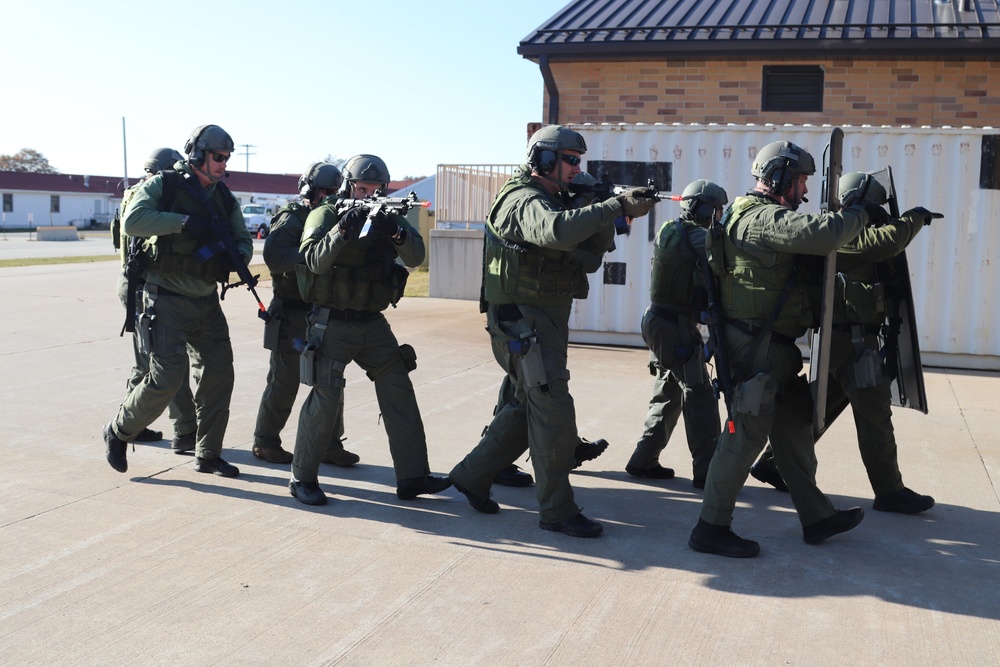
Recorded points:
(531, 277)
(857, 372)
(761, 267)
(193, 227)
(670, 330)
(351, 245)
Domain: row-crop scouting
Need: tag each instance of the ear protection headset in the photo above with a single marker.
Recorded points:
(544, 160)
(704, 212)
(306, 181)
(195, 151)
(783, 182)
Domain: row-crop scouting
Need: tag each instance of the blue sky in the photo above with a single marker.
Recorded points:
(417, 83)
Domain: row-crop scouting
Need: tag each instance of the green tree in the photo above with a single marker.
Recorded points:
(27, 160)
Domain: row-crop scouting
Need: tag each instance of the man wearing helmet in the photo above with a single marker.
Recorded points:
(181, 409)
(288, 321)
(530, 280)
(589, 255)
(857, 373)
(676, 351)
(181, 312)
(764, 293)
(352, 277)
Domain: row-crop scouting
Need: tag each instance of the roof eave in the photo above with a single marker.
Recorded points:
(859, 49)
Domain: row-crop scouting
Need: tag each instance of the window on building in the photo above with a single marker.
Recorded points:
(792, 88)
(8, 202)
(54, 206)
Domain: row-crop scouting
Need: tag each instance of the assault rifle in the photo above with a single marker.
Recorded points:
(722, 385)
(224, 242)
(378, 204)
(601, 191)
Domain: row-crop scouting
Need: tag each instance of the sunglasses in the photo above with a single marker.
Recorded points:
(571, 160)
(219, 157)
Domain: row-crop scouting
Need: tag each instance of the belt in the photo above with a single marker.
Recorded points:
(753, 331)
(295, 304)
(666, 314)
(163, 291)
(351, 315)
(509, 312)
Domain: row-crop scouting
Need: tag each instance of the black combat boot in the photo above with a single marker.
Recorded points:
(722, 541)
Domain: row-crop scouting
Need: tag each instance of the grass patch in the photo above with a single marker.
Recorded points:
(418, 284)
(42, 261)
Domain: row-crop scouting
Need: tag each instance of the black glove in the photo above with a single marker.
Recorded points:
(876, 215)
(921, 214)
(637, 202)
(384, 225)
(196, 226)
(352, 221)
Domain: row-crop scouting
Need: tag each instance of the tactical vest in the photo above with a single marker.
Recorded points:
(285, 285)
(676, 280)
(365, 277)
(526, 273)
(859, 297)
(755, 278)
(174, 254)
(118, 235)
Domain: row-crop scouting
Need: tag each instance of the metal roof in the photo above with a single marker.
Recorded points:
(621, 29)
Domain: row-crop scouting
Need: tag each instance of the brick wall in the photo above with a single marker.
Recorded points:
(889, 92)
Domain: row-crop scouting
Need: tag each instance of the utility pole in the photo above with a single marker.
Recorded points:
(124, 154)
(247, 152)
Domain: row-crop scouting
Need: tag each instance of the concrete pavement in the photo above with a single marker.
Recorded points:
(163, 565)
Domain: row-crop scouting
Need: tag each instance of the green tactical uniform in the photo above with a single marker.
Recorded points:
(676, 351)
(589, 255)
(351, 282)
(859, 310)
(762, 244)
(181, 409)
(182, 301)
(288, 313)
(532, 276)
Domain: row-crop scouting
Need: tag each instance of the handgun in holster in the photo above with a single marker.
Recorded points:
(532, 365)
(756, 396)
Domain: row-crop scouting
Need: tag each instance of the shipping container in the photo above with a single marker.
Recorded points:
(953, 263)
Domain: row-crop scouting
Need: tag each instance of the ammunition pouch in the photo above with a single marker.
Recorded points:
(272, 327)
(407, 355)
(144, 333)
(868, 370)
(694, 369)
(757, 396)
(316, 369)
(152, 335)
(861, 301)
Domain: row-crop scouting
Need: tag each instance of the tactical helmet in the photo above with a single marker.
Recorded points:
(207, 138)
(366, 168)
(778, 163)
(545, 144)
(700, 199)
(162, 159)
(857, 187)
(319, 176)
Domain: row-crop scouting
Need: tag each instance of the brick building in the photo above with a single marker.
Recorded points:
(883, 62)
